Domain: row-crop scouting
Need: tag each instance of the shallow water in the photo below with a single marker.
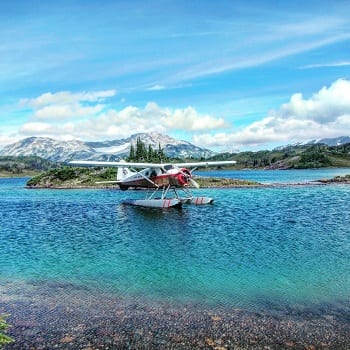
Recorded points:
(252, 249)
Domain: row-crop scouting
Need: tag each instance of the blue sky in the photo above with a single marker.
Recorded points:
(222, 74)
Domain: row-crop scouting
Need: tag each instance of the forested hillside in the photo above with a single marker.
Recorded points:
(24, 166)
(292, 157)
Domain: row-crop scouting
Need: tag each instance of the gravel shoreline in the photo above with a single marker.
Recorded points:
(57, 316)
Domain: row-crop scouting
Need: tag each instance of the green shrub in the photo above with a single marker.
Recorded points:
(4, 339)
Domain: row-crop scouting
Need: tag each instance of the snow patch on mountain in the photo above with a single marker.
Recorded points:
(338, 141)
(113, 149)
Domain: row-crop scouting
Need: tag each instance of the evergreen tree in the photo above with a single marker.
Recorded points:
(132, 152)
(142, 153)
(161, 155)
(150, 154)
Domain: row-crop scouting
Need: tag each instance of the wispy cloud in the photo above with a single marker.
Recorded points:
(326, 65)
(156, 87)
(266, 55)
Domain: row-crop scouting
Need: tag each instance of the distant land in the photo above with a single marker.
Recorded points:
(11, 166)
(293, 157)
(33, 155)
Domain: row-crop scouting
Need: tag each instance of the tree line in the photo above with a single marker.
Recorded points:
(142, 153)
(17, 165)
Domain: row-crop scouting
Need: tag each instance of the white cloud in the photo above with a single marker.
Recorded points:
(282, 47)
(324, 106)
(6, 140)
(66, 97)
(67, 111)
(36, 128)
(190, 120)
(156, 87)
(131, 120)
(67, 105)
(325, 114)
(61, 131)
(66, 114)
(326, 65)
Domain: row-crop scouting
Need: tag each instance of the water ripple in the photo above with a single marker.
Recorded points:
(251, 248)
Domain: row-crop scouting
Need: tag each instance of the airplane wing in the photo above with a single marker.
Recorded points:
(205, 164)
(115, 164)
(149, 165)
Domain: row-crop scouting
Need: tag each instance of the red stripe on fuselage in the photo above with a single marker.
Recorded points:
(160, 181)
(164, 180)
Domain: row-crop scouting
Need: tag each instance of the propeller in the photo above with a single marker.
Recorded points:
(189, 178)
(194, 183)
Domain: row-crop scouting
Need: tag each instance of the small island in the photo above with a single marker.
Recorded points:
(72, 177)
(337, 179)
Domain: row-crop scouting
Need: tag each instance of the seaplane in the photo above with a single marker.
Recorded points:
(169, 183)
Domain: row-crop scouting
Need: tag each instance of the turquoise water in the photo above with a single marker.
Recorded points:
(278, 176)
(253, 247)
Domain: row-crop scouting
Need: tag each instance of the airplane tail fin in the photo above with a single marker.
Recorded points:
(123, 173)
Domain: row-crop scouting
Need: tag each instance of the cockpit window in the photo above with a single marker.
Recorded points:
(168, 166)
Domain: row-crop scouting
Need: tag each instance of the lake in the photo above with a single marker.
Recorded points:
(280, 252)
(289, 176)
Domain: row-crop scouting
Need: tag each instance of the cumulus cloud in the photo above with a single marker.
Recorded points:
(87, 116)
(61, 131)
(323, 107)
(189, 119)
(131, 120)
(325, 114)
(83, 116)
(67, 105)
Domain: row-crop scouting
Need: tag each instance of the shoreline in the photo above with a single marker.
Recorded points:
(204, 182)
(64, 316)
(257, 185)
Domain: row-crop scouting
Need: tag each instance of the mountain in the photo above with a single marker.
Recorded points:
(62, 151)
(47, 148)
(338, 141)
